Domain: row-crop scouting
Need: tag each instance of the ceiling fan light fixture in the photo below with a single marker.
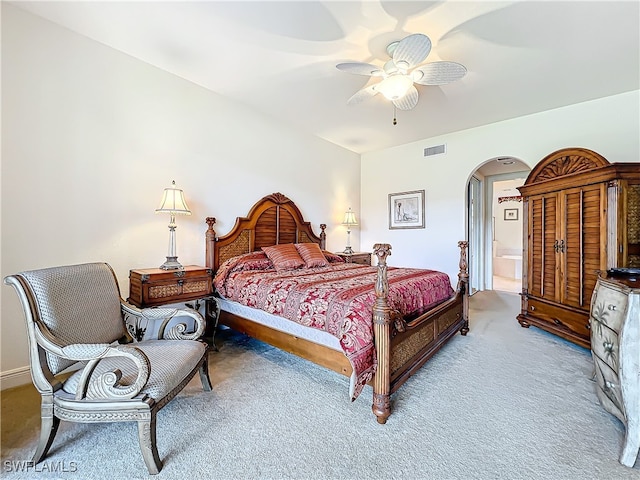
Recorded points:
(395, 87)
(403, 70)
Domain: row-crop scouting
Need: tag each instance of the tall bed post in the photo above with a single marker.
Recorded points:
(323, 236)
(210, 240)
(382, 334)
(463, 285)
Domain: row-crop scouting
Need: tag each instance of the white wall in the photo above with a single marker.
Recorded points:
(92, 136)
(608, 126)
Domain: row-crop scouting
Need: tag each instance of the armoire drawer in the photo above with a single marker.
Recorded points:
(559, 317)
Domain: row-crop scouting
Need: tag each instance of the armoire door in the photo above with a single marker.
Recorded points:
(583, 233)
(543, 247)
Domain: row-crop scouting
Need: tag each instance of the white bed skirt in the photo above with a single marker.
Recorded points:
(287, 326)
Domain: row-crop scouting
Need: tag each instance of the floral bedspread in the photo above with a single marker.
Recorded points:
(337, 299)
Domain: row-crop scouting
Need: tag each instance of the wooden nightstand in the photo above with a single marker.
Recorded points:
(151, 287)
(362, 258)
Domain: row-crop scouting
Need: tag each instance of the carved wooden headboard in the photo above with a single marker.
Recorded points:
(273, 220)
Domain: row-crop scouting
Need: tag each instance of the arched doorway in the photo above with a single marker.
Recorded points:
(494, 225)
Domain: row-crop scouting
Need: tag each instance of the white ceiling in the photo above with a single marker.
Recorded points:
(279, 57)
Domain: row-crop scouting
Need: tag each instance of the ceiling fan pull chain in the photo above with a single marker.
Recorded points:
(395, 121)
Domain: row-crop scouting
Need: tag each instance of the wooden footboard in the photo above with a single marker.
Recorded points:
(402, 347)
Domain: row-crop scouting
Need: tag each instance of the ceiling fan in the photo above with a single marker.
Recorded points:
(399, 75)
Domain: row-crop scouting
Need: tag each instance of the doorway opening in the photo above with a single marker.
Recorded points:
(506, 244)
(494, 225)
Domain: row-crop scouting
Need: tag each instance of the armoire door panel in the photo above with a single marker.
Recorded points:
(552, 247)
(542, 246)
(583, 224)
(536, 243)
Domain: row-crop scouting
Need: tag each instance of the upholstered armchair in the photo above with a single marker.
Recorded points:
(76, 317)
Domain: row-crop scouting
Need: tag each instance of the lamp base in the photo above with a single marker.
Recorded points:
(348, 251)
(171, 264)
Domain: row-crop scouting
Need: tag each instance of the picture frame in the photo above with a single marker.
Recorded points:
(510, 214)
(406, 210)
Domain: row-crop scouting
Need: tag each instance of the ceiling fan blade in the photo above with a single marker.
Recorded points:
(360, 68)
(438, 73)
(411, 50)
(409, 101)
(362, 95)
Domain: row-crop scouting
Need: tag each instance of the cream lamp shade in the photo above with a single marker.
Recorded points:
(173, 201)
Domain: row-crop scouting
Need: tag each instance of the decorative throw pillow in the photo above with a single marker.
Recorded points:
(284, 256)
(312, 255)
(332, 257)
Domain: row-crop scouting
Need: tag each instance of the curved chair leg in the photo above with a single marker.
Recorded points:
(49, 424)
(147, 438)
(204, 376)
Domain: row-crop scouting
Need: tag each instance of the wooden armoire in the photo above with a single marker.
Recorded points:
(581, 216)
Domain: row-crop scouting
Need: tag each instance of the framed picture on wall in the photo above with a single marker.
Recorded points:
(511, 214)
(406, 210)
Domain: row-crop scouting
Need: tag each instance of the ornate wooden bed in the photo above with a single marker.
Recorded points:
(401, 346)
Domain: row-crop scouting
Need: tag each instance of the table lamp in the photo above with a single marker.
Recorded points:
(349, 221)
(172, 203)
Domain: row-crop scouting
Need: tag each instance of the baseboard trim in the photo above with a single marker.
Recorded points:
(15, 378)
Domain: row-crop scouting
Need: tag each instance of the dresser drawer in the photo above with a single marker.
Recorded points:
(608, 387)
(608, 306)
(152, 287)
(605, 345)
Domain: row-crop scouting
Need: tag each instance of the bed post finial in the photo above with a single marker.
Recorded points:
(382, 333)
(463, 285)
(210, 241)
(323, 236)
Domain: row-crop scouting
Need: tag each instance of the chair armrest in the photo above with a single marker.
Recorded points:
(176, 332)
(105, 386)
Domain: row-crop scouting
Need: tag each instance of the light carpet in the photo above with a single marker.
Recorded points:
(503, 402)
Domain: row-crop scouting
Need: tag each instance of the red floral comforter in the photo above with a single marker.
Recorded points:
(337, 299)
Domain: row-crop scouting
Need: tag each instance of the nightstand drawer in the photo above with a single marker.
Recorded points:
(362, 258)
(152, 287)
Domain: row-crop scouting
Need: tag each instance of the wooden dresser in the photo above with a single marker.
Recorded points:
(615, 346)
(581, 217)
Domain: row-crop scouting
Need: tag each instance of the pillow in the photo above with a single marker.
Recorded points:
(284, 256)
(332, 257)
(246, 261)
(312, 255)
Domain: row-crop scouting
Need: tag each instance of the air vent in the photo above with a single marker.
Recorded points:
(435, 150)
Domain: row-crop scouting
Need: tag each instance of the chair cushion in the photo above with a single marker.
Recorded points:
(171, 362)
